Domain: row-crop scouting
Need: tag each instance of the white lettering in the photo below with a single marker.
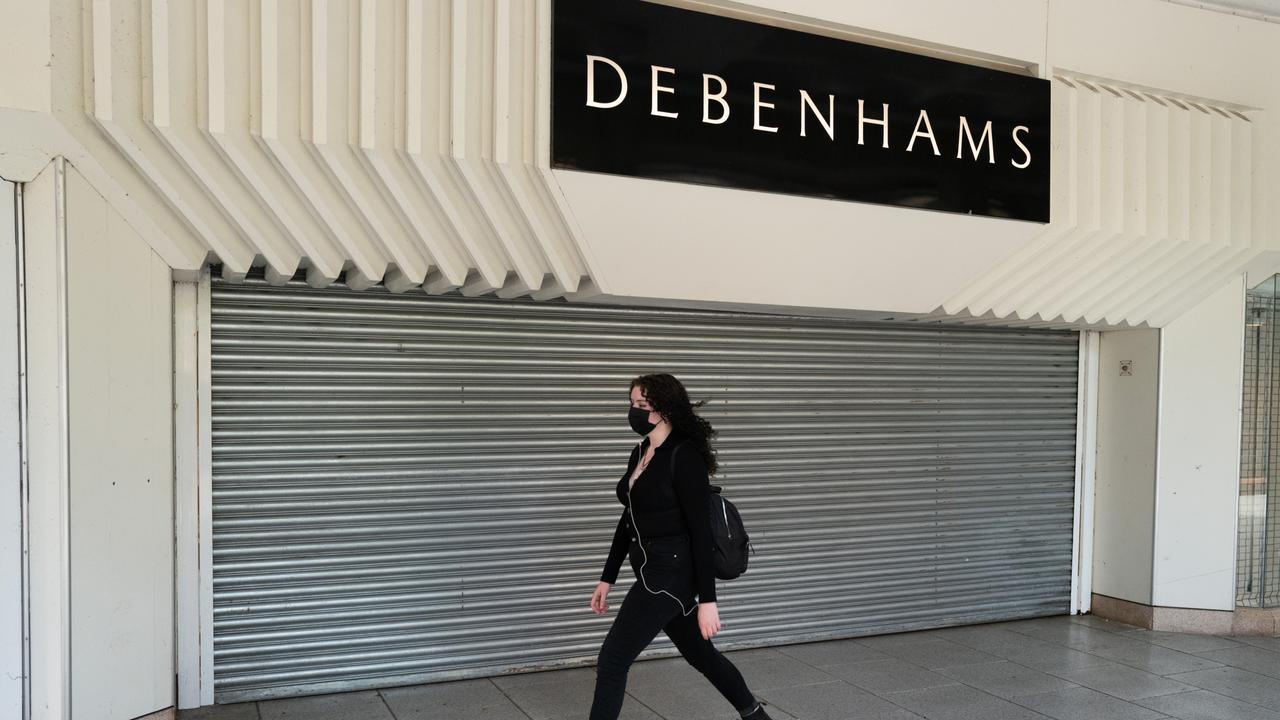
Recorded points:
(828, 123)
(708, 97)
(760, 104)
(883, 122)
(657, 88)
(986, 138)
(1021, 147)
(591, 82)
(928, 132)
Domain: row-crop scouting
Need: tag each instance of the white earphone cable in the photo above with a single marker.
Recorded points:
(640, 541)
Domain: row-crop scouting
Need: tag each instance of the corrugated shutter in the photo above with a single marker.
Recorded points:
(409, 488)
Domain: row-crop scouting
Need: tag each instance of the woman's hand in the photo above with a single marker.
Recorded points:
(708, 619)
(599, 603)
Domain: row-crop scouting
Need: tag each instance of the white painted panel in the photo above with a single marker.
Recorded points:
(120, 376)
(1126, 456)
(193, 493)
(25, 55)
(10, 466)
(47, 446)
(1185, 50)
(1197, 485)
(186, 506)
(671, 240)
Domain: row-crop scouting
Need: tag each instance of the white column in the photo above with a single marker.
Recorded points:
(47, 432)
(12, 484)
(1086, 469)
(193, 493)
(1198, 461)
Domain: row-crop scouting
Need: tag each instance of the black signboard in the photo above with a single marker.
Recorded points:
(652, 91)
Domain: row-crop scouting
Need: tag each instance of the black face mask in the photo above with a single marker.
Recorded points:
(639, 420)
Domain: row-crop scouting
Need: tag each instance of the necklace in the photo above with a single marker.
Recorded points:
(640, 466)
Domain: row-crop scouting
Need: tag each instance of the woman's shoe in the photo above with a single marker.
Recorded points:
(757, 714)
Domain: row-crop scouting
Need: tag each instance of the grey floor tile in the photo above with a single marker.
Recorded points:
(1072, 635)
(988, 639)
(1020, 669)
(1052, 658)
(832, 652)
(1101, 623)
(774, 711)
(775, 670)
(1183, 642)
(1240, 684)
(1005, 679)
(1248, 657)
(1271, 643)
(1155, 659)
(834, 701)
(460, 700)
(939, 653)
(701, 702)
(887, 676)
(1124, 682)
(886, 643)
(234, 711)
(671, 672)
(1205, 705)
(960, 702)
(1080, 703)
(546, 695)
(631, 710)
(365, 705)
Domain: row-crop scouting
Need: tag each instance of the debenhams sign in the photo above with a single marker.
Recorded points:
(651, 91)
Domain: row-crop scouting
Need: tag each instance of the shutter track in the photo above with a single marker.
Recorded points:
(411, 488)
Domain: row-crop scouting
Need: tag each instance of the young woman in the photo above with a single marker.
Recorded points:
(665, 529)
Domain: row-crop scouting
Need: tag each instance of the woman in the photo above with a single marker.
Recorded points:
(665, 529)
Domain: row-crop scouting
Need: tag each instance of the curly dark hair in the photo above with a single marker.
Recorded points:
(668, 397)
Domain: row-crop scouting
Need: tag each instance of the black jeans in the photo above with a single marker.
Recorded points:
(654, 602)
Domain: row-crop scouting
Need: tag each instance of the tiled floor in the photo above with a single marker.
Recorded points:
(1069, 668)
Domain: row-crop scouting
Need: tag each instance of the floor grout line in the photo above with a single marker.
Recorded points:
(509, 698)
(385, 704)
(641, 703)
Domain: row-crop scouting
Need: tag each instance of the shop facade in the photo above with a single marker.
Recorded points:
(321, 309)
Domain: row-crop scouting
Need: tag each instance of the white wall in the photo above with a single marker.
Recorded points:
(10, 468)
(121, 481)
(1197, 486)
(99, 328)
(1125, 481)
(706, 244)
(25, 54)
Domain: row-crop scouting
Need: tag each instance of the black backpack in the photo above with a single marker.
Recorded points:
(729, 538)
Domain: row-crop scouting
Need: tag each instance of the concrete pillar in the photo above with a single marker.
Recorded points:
(1168, 471)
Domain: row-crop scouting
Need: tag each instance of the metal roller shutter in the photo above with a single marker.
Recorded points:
(411, 488)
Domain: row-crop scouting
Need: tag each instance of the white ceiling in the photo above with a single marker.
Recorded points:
(1262, 9)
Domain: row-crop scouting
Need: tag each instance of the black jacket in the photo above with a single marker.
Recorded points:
(667, 505)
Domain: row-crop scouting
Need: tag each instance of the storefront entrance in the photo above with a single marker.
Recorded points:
(411, 488)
